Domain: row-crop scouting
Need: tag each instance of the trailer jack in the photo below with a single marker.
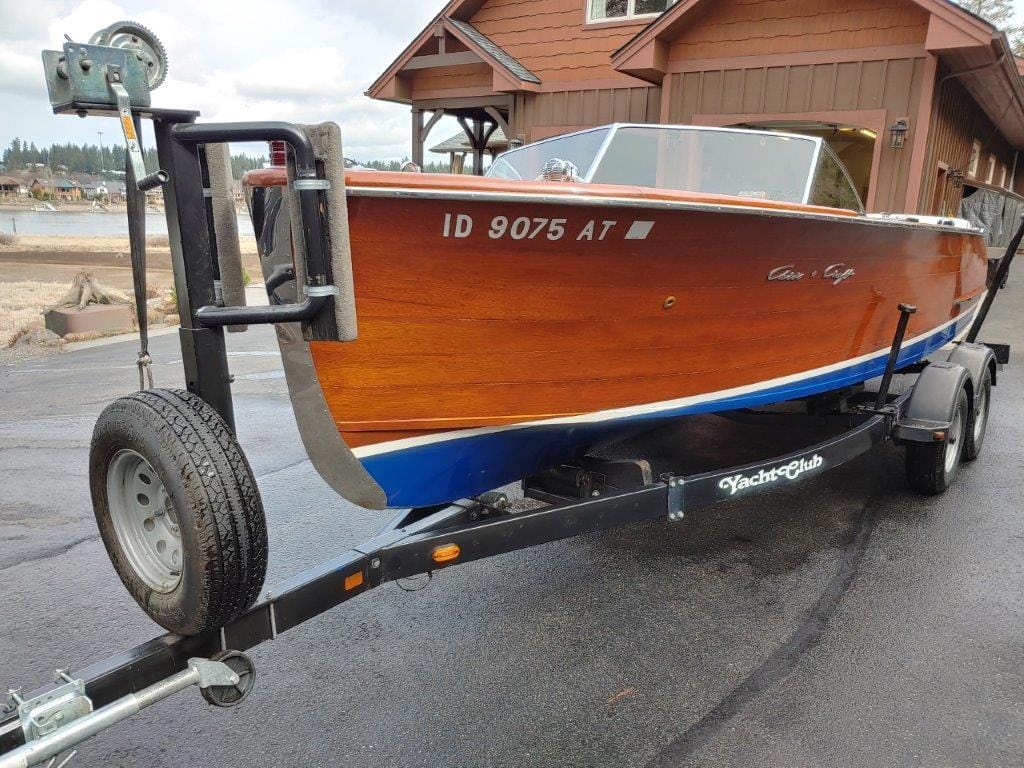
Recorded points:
(63, 717)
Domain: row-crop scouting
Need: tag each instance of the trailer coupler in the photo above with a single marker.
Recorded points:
(63, 717)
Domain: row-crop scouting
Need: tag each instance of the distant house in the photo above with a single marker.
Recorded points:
(56, 189)
(110, 191)
(12, 187)
(95, 190)
(459, 146)
(923, 100)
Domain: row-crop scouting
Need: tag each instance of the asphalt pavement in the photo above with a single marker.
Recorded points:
(839, 622)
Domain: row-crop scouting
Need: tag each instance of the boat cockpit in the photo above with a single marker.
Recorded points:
(765, 165)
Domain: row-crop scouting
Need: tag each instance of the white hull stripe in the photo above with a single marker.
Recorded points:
(633, 411)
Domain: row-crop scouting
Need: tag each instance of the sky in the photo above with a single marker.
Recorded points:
(308, 61)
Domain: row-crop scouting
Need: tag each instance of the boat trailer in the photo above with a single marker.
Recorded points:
(589, 496)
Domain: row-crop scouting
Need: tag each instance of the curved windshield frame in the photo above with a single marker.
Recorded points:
(525, 164)
(765, 165)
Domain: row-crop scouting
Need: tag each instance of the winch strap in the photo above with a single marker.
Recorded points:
(136, 200)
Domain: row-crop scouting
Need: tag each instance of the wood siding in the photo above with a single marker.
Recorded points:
(548, 114)
(883, 90)
(463, 80)
(958, 124)
(728, 28)
(550, 39)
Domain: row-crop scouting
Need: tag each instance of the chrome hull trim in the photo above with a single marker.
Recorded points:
(642, 204)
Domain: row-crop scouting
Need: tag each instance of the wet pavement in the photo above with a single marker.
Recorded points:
(840, 622)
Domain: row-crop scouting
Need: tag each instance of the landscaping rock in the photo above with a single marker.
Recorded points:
(38, 337)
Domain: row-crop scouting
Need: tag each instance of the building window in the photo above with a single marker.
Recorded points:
(616, 10)
(972, 166)
(990, 177)
(1002, 175)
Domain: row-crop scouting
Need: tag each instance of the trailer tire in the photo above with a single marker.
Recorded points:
(178, 509)
(978, 426)
(931, 467)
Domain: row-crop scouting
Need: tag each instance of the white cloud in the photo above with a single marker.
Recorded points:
(230, 59)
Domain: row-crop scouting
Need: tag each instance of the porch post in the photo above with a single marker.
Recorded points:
(478, 147)
(417, 136)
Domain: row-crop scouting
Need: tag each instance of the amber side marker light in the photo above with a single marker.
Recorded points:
(353, 580)
(446, 553)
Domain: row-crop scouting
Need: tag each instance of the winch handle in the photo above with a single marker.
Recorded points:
(144, 182)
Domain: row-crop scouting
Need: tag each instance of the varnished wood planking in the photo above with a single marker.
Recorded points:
(474, 333)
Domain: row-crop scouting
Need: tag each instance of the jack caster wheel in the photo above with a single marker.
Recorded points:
(178, 509)
(931, 467)
(231, 695)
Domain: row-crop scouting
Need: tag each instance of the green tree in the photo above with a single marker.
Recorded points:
(999, 13)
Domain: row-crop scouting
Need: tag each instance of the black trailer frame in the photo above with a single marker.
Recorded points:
(418, 541)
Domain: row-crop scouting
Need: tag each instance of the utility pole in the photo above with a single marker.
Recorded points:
(103, 166)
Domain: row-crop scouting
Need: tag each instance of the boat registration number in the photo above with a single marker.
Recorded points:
(462, 225)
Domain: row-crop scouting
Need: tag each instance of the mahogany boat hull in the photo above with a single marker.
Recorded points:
(505, 327)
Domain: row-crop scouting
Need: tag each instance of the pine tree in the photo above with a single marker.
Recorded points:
(999, 13)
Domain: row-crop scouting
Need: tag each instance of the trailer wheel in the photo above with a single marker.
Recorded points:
(178, 509)
(975, 434)
(932, 466)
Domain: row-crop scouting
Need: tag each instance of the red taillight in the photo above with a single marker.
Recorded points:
(278, 153)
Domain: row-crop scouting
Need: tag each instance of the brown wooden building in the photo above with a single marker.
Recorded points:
(857, 72)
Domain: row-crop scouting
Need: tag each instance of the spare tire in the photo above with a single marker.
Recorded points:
(178, 509)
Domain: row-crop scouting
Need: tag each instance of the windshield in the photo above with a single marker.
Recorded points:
(743, 163)
(526, 164)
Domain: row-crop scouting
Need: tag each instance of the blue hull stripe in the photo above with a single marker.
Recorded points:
(464, 466)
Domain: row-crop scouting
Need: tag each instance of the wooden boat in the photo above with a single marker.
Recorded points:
(507, 323)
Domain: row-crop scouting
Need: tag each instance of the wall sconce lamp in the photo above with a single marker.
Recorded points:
(956, 178)
(898, 132)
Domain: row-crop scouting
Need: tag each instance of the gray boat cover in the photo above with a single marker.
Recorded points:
(999, 214)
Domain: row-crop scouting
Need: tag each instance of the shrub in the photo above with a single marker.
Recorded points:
(7, 238)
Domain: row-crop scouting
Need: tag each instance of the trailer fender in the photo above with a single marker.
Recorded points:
(976, 358)
(932, 403)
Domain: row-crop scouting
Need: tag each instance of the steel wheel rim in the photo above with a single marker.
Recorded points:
(144, 521)
(953, 440)
(981, 414)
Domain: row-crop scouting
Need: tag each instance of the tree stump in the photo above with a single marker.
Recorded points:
(86, 289)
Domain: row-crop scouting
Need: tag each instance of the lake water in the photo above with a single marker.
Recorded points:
(85, 224)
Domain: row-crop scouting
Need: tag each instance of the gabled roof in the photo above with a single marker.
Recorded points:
(496, 52)
(666, 25)
(507, 68)
(56, 183)
(460, 143)
(966, 43)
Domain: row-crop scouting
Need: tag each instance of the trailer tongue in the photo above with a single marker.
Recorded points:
(941, 421)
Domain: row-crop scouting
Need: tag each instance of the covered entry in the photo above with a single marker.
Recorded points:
(452, 69)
